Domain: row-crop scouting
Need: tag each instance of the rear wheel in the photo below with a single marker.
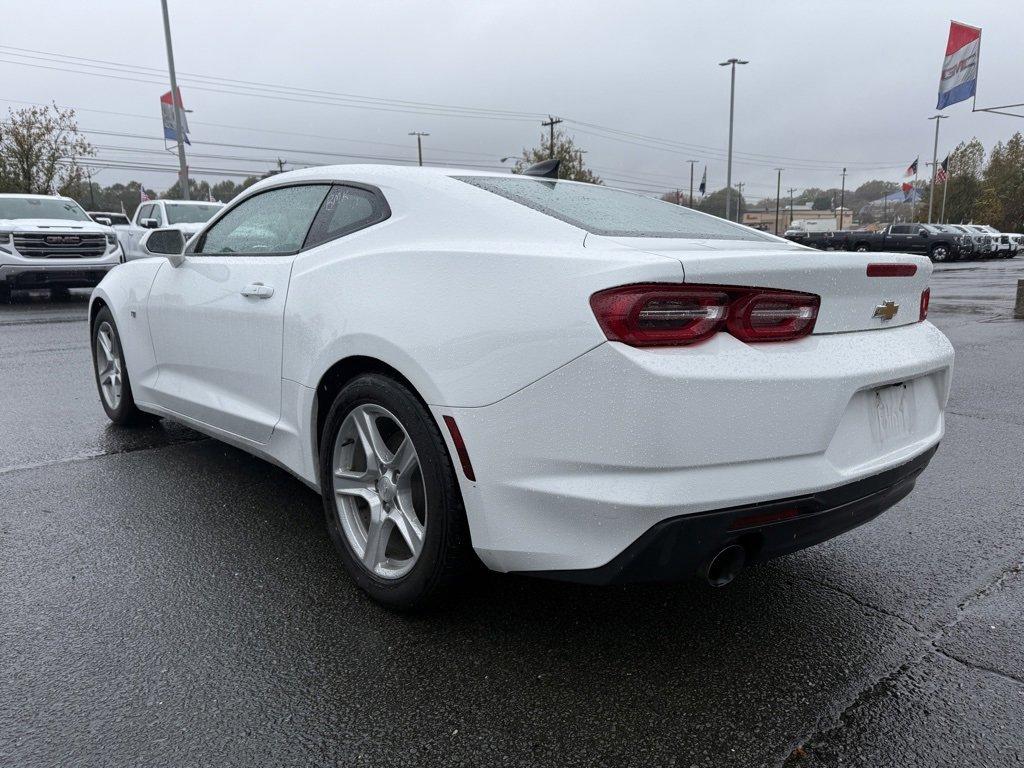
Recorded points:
(391, 498)
(940, 252)
(111, 374)
(860, 247)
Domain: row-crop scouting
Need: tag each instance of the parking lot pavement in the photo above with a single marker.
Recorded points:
(169, 600)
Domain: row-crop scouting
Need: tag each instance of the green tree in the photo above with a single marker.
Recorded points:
(1002, 198)
(40, 151)
(572, 168)
(964, 186)
(714, 203)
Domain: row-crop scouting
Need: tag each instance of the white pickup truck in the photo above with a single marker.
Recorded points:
(187, 215)
(50, 242)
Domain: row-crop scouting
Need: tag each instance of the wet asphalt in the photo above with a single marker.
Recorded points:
(168, 600)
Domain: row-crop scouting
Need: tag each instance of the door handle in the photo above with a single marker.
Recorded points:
(258, 290)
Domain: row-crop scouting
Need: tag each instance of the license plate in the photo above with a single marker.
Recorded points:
(892, 413)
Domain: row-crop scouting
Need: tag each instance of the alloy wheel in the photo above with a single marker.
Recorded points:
(379, 492)
(109, 368)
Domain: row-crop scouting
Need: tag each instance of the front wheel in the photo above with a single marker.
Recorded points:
(111, 374)
(940, 253)
(391, 499)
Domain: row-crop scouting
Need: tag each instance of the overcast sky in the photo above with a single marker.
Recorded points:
(828, 84)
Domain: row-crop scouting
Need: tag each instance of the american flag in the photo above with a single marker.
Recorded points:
(143, 197)
(912, 168)
(943, 174)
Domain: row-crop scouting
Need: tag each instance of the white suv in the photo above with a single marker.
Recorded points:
(189, 216)
(50, 242)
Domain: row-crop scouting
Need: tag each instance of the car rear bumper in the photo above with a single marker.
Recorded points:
(26, 276)
(575, 468)
(681, 547)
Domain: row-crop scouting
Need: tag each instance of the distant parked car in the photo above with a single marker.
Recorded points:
(983, 245)
(188, 216)
(926, 239)
(1004, 246)
(50, 242)
(119, 222)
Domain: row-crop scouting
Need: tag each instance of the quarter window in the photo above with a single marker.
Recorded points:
(272, 222)
(345, 210)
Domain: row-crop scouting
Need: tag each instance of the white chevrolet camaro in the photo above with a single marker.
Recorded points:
(552, 378)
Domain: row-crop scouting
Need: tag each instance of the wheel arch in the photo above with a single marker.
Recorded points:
(337, 376)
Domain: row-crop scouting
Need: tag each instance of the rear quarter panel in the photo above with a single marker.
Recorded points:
(469, 302)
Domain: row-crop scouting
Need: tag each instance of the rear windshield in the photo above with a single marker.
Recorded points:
(40, 208)
(613, 212)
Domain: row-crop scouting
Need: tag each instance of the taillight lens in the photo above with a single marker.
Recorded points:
(657, 314)
(772, 316)
(926, 297)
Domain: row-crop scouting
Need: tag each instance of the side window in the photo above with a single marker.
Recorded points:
(158, 214)
(346, 210)
(144, 213)
(899, 229)
(275, 221)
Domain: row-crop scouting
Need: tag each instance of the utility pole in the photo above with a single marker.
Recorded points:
(732, 104)
(280, 165)
(935, 160)
(692, 163)
(739, 202)
(791, 191)
(176, 107)
(778, 194)
(842, 200)
(551, 123)
(419, 143)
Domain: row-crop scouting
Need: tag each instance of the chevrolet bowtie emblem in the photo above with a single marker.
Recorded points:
(887, 310)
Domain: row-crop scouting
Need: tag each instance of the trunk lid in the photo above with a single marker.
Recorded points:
(849, 297)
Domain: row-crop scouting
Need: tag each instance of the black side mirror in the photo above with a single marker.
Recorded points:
(165, 242)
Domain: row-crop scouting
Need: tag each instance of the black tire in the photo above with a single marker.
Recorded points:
(5, 294)
(861, 248)
(124, 413)
(446, 553)
(940, 253)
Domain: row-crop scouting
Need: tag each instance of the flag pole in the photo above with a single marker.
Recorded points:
(945, 189)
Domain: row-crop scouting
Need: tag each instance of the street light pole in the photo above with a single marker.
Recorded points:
(732, 108)
(419, 143)
(176, 107)
(778, 194)
(935, 160)
(791, 191)
(692, 163)
(842, 199)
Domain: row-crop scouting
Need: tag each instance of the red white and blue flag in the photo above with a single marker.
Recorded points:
(911, 169)
(167, 113)
(943, 172)
(959, 80)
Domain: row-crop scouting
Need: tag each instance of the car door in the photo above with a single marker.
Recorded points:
(900, 238)
(136, 229)
(216, 320)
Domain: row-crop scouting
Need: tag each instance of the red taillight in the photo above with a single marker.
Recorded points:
(663, 314)
(892, 270)
(772, 316)
(926, 297)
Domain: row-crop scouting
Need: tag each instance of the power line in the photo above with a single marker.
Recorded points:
(201, 82)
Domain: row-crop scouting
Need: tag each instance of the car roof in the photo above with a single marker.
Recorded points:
(38, 197)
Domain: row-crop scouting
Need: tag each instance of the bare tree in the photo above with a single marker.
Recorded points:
(40, 150)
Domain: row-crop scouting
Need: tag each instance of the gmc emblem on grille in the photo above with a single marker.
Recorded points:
(63, 239)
